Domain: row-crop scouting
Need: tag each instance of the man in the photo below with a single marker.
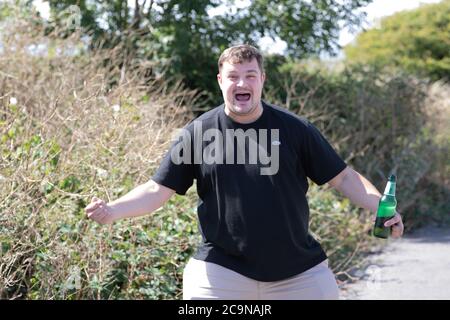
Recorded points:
(251, 161)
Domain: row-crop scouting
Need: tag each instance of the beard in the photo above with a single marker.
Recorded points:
(237, 106)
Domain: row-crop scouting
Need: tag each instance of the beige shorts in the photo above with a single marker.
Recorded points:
(205, 280)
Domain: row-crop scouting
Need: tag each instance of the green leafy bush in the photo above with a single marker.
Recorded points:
(76, 125)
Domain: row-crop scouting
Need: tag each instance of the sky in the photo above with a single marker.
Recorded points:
(376, 10)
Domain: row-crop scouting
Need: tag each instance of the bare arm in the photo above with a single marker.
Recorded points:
(358, 189)
(142, 200)
(363, 193)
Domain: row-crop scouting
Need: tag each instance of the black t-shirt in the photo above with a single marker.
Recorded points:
(253, 212)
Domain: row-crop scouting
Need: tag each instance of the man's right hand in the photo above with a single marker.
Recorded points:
(99, 211)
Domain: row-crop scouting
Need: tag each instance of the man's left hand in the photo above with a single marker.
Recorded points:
(397, 225)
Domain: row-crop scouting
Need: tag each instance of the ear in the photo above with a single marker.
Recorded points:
(219, 79)
(263, 77)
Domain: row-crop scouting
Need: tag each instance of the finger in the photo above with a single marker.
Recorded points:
(398, 228)
(101, 217)
(394, 220)
(94, 204)
(97, 200)
(397, 231)
(95, 214)
(91, 207)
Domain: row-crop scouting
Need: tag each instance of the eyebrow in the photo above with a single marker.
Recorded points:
(248, 71)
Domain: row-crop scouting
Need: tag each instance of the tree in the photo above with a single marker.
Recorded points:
(179, 33)
(308, 27)
(417, 41)
(183, 33)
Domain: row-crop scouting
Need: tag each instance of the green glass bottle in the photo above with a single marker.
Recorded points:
(386, 209)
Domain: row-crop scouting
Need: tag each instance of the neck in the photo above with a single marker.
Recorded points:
(245, 118)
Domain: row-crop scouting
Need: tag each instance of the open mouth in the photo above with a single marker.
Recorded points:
(242, 96)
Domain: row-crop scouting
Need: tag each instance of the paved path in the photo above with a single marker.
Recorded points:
(416, 266)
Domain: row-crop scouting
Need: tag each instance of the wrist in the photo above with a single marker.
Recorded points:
(116, 213)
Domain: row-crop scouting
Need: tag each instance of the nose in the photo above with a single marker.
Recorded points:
(240, 82)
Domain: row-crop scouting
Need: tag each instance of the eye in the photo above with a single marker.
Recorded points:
(232, 77)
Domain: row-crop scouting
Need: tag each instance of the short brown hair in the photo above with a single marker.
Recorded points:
(241, 53)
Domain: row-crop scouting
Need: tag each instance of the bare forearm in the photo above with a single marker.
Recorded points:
(142, 200)
(360, 191)
(363, 193)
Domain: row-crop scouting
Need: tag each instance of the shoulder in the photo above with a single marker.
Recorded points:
(206, 118)
(288, 117)
(211, 114)
(299, 128)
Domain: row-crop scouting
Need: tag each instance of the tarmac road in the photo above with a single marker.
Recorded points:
(417, 266)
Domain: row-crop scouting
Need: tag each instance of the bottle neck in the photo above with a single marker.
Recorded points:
(390, 188)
